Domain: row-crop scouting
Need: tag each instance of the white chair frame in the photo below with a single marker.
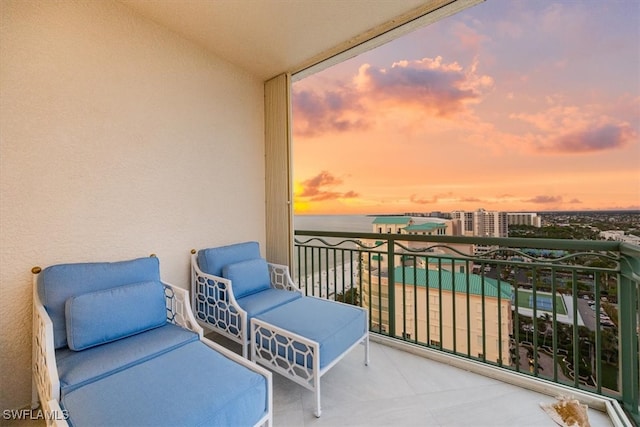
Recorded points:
(210, 292)
(304, 374)
(46, 382)
(223, 304)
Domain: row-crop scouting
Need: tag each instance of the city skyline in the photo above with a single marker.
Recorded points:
(509, 106)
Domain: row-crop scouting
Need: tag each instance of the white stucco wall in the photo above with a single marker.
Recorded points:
(118, 139)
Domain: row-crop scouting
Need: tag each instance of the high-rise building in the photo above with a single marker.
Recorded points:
(483, 223)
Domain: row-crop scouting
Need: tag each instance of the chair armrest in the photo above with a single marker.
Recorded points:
(281, 279)
(46, 383)
(179, 309)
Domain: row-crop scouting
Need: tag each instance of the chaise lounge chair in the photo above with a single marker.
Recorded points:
(241, 296)
(114, 345)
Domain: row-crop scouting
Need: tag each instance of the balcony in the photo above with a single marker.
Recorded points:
(406, 386)
(459, 345)
(541, 317)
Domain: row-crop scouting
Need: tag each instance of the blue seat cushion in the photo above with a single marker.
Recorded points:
(57, 283)
(334, 326)
(268, 299)
(213, 260)
(191, 385)
(247, 277)
(77, 368)
(103, 316)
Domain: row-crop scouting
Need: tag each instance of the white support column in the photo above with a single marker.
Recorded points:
(278, 190)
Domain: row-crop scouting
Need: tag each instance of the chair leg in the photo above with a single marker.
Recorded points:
(317, 387)
(366, 350)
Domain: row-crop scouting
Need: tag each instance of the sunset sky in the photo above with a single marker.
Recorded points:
(510, 106)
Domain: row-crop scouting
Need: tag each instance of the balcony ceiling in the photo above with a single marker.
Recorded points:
(269, 37)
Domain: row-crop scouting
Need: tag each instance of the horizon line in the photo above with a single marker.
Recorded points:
(518, 211)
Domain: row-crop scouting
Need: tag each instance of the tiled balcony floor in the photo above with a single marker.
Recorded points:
(402, 389)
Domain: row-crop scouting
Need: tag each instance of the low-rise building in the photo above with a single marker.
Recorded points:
(524, 218)
(443, 308)
(620, 236)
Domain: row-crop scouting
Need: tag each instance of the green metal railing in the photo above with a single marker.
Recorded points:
(565, 311)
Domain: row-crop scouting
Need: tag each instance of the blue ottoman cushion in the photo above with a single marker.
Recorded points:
(191, 385)
(335, 326)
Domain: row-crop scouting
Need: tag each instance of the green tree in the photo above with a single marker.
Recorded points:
(610, 346)
(548, 327)
(350, 296)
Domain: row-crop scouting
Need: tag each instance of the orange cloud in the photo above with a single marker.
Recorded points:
(331, 111)
(593, 138)
(429, 85)
(319, 188)
(544, 199)
(569, 129)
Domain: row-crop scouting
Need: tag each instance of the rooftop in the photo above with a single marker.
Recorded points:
(427, 226)
(392, 220)
(420, 277)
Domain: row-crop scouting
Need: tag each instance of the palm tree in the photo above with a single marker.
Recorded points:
(527, 327)
(548, 327)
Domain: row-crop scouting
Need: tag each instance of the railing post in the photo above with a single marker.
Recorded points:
(391, 286)
(621, 260)
(628, 324)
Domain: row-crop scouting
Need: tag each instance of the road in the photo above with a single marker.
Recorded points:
(544, 361)
(588, 315)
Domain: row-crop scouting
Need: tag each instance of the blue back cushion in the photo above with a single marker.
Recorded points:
(58, 283)
(247, 277)
(213, 260)
(103, 316)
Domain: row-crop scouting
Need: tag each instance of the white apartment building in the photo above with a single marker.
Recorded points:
(620, 236)
(415, 226)
(482, 223)
(522, 218)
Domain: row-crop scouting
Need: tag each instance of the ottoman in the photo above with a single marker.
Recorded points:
(304, 338)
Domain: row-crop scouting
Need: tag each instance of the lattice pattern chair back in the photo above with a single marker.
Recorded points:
(281, 278)
(238, 294)
(177, 313)
(214, 304)
(115, 326)
(217, 300)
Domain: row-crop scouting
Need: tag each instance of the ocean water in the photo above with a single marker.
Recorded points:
(325, 273)
(355, 223)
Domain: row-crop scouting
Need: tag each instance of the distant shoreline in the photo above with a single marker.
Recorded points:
(603, 211)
